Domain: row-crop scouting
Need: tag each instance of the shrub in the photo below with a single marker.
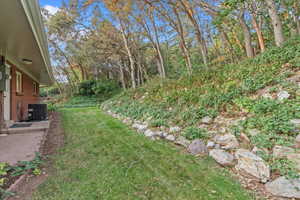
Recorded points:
(100, 88)
(105, 87)
(85, 88)
(53, 91)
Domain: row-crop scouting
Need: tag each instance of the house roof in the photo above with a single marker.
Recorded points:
(22, 36)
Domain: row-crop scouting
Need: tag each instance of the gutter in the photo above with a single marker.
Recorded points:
(33, 11)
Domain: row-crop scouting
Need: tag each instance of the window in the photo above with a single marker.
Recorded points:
(35, 89)
(19, 83)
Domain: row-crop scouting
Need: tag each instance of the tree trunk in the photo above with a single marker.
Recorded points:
(276, 22)
(247, 36)
(259, 34)
(183, 46)
(226, 44)
(130, 56)
(122, 76)
(190, 13)
(157, 43)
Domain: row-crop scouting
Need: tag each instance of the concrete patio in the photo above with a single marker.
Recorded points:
(21, 144)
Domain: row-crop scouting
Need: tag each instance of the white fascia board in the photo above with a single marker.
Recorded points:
(32, 11)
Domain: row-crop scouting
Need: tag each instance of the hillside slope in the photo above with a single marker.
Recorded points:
(257, 101)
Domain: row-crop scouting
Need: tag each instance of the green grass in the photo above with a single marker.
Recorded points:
(104, 159)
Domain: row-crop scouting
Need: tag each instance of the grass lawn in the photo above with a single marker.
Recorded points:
(104, 159)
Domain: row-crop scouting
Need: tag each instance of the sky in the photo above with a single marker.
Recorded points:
(51, 5)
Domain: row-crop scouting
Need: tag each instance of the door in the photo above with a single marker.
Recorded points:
(6, 94)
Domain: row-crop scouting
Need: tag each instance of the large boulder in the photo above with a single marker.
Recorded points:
(182, 141)
(197, 147)
(252, 164)
(227, 141)
(283, 187)
(222, 157)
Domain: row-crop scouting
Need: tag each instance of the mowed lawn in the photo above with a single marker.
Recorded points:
(104, 159)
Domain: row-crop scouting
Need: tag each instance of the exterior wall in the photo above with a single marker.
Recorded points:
(19, 101)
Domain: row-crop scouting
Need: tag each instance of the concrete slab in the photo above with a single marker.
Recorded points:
(34, 127)
(20, 147)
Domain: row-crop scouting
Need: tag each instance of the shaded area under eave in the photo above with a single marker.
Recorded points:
(22, 36)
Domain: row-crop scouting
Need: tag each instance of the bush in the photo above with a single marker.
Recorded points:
(85, 88)
(105, 87)
(53, 91)
(43, 92)
(100, 88)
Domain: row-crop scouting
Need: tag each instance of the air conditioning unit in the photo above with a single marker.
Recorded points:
(37, 112)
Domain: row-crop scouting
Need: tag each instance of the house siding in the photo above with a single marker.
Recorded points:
(19, 102)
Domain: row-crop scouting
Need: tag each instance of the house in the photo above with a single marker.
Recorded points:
(24, 58)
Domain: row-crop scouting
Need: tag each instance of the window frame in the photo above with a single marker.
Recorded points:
(35, 88)
(19, 82)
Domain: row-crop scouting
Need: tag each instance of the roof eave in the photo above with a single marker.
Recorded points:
(33, 13)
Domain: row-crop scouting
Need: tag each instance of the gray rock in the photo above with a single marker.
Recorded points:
(206, 120)
(210, 144)
(244, 138)
(127, 121)
(222, 157)
(283, 95)
(174, 129)
(253, 132)
(203, 126)
(295, 122)
(227, 141)
(281, 151)
(149, 133)
(135, 125)
(283, 187)
(182, 141)
(140, 127)
(170, 138)
(197, 147)
(252, 164)
(157, 133)
(267, 96)
(297, 141)
(164, 134)
(223, 130)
